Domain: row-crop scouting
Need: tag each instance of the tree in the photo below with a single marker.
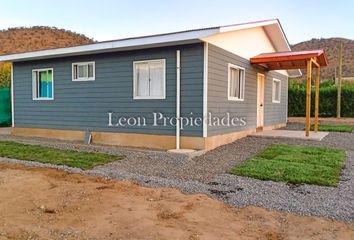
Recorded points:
(5, 75)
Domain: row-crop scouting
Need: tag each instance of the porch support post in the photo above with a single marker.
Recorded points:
(308, 97)
(317, 98)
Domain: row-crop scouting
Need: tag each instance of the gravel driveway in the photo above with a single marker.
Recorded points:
(208, 174)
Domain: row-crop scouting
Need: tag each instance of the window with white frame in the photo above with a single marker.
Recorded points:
(236, 83)
(149, 79)
(83, 71)
(276, 90)
(43, 84)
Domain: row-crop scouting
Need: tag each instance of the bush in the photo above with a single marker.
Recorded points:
(5, 75)
(328, 100)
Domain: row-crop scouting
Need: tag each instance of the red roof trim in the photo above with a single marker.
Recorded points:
(295, 59)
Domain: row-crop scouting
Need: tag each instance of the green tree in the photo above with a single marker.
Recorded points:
(5, 75)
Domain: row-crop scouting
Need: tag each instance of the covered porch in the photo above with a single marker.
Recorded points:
(314, 59)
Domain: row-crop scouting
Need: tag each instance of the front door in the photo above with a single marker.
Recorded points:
(260, 101)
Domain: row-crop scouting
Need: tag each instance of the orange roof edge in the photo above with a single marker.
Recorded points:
(293, 57)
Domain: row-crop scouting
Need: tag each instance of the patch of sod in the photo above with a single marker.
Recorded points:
(334, 128)
(295, 164)
(71, 158)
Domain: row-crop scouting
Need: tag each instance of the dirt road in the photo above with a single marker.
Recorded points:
(38, 203)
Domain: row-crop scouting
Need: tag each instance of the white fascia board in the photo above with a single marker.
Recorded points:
(124, 44)
(267, 24)
(275, 31)
(291, 72)
(247, 25)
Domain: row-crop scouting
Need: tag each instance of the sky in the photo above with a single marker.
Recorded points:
(107, 19)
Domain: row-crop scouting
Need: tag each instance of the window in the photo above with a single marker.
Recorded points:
(236, 85)
(42, 84)
(84, 71)
(276, 90)
(149, 79)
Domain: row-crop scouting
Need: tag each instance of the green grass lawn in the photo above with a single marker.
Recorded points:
(83, 160)
(295, 164)
(334, 128)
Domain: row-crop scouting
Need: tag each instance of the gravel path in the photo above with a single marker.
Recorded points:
(208, 174)
(176, 166)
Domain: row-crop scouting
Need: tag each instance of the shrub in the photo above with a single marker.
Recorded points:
(5, 75)
(328, 100)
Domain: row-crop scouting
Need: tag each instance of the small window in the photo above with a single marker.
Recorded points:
(42, 84)
(149, 79)
(84, 71)
(236, 85)
(276, 90)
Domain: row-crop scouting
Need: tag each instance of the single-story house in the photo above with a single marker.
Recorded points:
(192, 89)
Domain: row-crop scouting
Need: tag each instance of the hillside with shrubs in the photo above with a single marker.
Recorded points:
(331, 47)
(15, 40)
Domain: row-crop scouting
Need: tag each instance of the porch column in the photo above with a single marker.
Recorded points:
(317, 98)
(308, 98)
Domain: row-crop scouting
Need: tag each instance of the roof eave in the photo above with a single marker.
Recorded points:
(168, 39)
(119, 45)
(162, 40)
(294, 72)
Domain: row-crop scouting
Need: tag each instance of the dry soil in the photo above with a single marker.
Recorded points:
(39, 203)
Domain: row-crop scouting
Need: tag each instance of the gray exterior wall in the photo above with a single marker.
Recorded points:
(218, 103)
(275, 113)
(82, 105)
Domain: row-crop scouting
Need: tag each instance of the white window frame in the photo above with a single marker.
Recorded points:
(273, 91)
(84, 78)
(163, 96)
(230, 98)
(34, 85)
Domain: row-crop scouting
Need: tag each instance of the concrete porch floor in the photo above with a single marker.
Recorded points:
(291, 134)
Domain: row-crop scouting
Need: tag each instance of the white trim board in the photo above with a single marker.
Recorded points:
(205, 90)
(178, 99)
(84, 79)
(12, 97)
(35, 86)
(230, 98)
(135, 90)
(273, 91)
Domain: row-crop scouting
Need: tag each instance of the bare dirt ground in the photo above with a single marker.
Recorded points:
(39, 203)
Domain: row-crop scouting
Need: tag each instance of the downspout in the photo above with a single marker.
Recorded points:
(178, 99)
(12, 96)
(205, 90)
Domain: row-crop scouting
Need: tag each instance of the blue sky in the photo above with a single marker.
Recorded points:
(107, 19)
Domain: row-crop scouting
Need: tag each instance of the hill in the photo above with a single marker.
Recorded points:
(15, 40)
(331, 46)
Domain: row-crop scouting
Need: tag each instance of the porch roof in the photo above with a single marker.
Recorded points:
(291, 59)
(297, 60)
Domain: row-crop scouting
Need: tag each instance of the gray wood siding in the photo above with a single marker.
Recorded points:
(218, 103)
(81, 105)
(275, 113)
